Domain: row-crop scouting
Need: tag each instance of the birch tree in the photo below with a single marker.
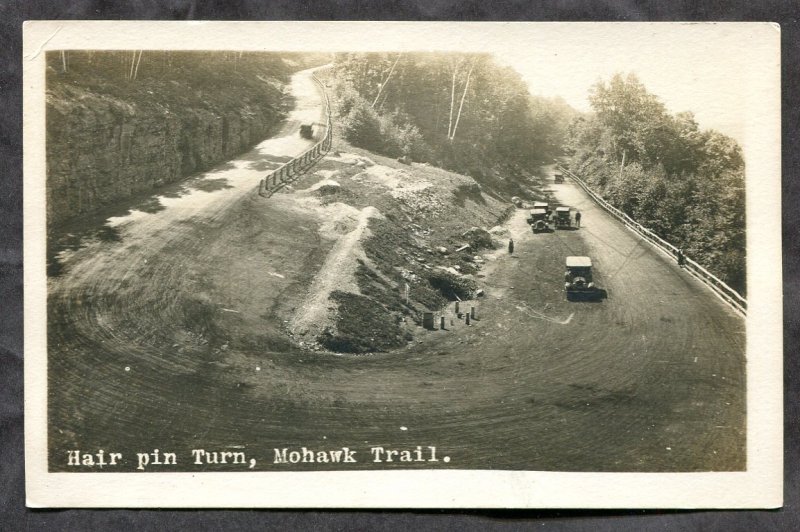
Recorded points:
(461, 105)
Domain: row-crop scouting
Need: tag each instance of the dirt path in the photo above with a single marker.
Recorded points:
(337, 273)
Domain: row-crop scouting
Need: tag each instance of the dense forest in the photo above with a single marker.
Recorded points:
(684, 183)
(463, 112)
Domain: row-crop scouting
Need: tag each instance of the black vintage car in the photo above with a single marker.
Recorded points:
(538, 220)
(307, 131)
(578, 281)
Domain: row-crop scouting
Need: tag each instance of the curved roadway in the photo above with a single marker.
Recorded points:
(151, 316)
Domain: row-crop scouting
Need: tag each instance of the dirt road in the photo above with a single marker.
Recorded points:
(164, 332)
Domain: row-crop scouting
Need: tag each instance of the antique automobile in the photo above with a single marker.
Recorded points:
(559, 177)
(578, 278)
(307, 131)
(542, 205)
(563, 218)
(538, 220)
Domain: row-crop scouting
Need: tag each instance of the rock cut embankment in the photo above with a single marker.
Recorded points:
(110, 137)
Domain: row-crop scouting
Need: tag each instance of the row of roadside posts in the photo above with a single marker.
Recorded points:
(428, 318)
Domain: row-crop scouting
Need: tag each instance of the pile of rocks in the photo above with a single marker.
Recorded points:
(420, 200)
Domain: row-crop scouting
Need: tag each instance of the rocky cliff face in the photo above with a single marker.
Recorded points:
(105, 144)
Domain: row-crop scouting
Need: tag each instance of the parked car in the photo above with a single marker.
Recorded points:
(578, 278)
(538, 220)
(542, 205)
(563, 219)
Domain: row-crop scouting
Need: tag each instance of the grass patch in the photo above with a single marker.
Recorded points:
(328, 194)
(373, 285)
(386, 244)
(363, 326)
(384, 248)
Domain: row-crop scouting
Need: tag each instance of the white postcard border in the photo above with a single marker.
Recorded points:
(758, 487)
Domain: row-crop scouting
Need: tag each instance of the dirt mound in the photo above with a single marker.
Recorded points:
(385, 268)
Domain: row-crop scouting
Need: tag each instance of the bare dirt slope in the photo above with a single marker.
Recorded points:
(168, 329)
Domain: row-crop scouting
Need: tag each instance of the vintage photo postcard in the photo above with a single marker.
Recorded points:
(402, 265)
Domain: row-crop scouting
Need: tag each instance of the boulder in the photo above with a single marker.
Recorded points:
(328, 188)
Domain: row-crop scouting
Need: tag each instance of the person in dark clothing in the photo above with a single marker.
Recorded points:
(578, 219)
(681, 258)
(510, 246)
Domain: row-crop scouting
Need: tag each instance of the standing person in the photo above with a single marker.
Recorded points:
(681, 258)
(510, 246)
(578, 219)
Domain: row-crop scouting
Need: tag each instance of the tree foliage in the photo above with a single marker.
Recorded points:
(460, 111)
(685, 184)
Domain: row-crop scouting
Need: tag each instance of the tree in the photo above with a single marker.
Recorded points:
(634, 116)
(685, 184)
(468, 112)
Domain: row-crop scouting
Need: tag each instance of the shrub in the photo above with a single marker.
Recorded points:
(451, 286)
(361, 127)
(364, 127)
(399, 140)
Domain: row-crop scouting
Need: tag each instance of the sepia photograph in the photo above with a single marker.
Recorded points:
(416, 252)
